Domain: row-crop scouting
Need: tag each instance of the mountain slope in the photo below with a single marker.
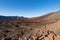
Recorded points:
(38, 28)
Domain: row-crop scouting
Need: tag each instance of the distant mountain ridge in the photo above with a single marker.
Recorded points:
(12, 18)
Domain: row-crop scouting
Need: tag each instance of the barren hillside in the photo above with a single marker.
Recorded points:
(46, 27)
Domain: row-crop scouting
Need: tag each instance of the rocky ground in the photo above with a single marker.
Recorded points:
(46, 27)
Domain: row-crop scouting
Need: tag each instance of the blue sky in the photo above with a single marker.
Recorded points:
(28, 8)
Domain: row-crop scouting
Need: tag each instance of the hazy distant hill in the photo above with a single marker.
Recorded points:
(12, 18)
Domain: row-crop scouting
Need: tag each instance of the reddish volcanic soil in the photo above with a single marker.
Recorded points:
(46, 27)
